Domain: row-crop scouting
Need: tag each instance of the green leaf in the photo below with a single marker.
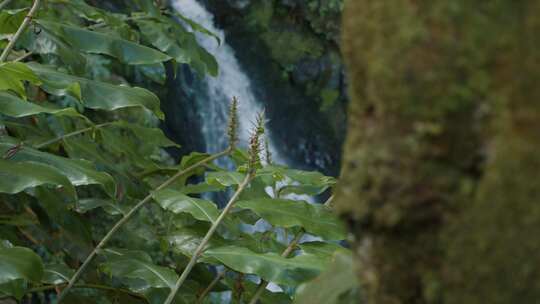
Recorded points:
(96, 94)
(23, 219)
(13, 106)
(331, 285)
(178, 202)
(185, 240)
(91, 13)
(15, 288)
(47, 43)
(224, 178)
(87, 204)
(155, 72)
(240, 157)
(19, 176)
(147, 6)
(138, 265)
(20, 263)
(192, 158)
(321, 249)
(12, 75)
(150, 138)
(56, 274)
(197, 27)
(170, 37)
(97, 43)
(10, 20)
(269, 266)
(102, 153)
(79, 172)
(260, 242)
(128, 151)
(200, 188)
(300, 182)
(74, 236)
(158, 34)
(314, 218)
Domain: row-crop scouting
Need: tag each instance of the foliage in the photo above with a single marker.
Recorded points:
(81, 155)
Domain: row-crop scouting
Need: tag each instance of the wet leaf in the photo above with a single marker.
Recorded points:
(138, 266)
(19, 176)
(96, 94)
(20, 263)
(178, 202)
(270, 266)
(13, 106)
(99, 43)
(13, 75)
(314, 218)
(79, 172)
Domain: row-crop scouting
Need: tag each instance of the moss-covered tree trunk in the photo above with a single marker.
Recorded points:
(441, 174)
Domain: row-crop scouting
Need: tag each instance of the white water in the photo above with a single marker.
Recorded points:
(230, 82)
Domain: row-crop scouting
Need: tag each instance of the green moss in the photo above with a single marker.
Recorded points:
(260, 15)
(432, 224)
(328, 97)
(492, 250)
(288, 46)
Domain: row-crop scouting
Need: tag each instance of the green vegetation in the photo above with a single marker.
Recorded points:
(92, 208)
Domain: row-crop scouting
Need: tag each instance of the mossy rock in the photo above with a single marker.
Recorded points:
(288, 46)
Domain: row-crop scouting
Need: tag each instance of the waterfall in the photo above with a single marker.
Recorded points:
(231, 81)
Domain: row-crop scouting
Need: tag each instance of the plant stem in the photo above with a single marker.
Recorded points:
(285, 253)
(210, 286)
(214, 282)
(4, 4)
(92, 286)
(23, 57)
(128, 215)
(20, 31)
(207, 237)
(77, 132)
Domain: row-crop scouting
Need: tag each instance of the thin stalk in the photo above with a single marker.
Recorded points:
(77, 132)
(220, 275)
(91, 286)
(4, 4)
(214, 282)
(207, 237)
(23, 57)
(20, 31)
(285, 253)
(128, 215)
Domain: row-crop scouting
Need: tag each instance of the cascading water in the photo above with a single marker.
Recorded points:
(231, 81)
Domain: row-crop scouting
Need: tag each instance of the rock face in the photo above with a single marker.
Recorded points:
(295, 68)
(440, 180)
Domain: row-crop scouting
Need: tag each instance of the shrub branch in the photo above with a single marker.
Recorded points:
(20, 30)
(77, 132)
(128, 215)
(202, 246)
(285, 253)
(253, 162)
